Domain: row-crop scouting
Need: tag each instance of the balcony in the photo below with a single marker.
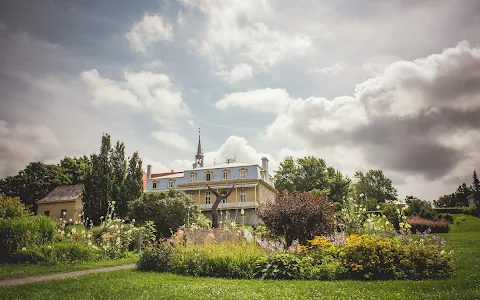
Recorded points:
(232, 205)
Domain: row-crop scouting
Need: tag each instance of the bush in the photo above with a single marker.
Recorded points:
(391, 212)
(155, 258)
(420, 208)
(59, 252)
(373, 257)
(471, 210)
(226, 260)
(298, 216)
(17, 233)
(461, 219)
(446, 217)
(169, 210)
(280, 266)
(421, 225)
(11, 207)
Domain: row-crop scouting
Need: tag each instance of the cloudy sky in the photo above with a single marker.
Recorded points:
(392, 84)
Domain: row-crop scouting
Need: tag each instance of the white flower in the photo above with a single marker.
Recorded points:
(69, 220)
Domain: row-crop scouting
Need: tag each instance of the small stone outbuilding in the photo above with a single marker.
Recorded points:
(64, 202)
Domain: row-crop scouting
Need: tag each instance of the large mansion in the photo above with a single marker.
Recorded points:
(253, 185)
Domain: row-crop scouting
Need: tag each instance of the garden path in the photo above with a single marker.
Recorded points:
(31, 279)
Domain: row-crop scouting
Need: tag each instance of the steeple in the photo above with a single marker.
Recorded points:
(199, 156)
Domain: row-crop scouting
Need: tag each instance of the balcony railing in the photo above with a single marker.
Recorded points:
(231, 205)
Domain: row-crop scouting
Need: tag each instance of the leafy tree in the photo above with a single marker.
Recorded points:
(298, 216)
(133, 186)
(311, 174)
(449, 200)
(169, 210)
(34, 182)
(462, 194)
(374, 184)
(98, 182)
(75, 168)
(423, 209)
(11, 207)
(119, 173)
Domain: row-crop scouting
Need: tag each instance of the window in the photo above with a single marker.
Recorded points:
(225, 175)
(192, 177)
(154, 185)
(207, 197)
(243, 174)
(63, 213)
(208, 176)
(243, 195)
(170, 184)
(47, 213)
(192, 195)
(224, 200)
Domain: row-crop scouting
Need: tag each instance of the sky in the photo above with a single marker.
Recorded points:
(391, 85)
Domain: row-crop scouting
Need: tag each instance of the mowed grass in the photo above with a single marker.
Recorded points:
(464, 239)
(8, 271)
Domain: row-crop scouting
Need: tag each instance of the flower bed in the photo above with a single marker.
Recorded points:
(434, 226)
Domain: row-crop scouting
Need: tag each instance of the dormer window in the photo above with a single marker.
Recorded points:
(154, 185)
(225, 175)
(192, 177)
(243, 174)
(208, 176)
(170, 184)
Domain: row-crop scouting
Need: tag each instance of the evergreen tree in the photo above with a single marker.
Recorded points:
(133, 186)
(476, 188)
(119, 172)
(98, 183)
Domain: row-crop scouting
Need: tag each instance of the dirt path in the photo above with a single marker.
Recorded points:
(31, 279)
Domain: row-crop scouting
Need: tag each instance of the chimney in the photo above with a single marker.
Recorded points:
(171, 171)
(265, 168)
(193, 165)
(149, 172)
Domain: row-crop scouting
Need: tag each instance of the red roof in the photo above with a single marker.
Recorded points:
(164, 174)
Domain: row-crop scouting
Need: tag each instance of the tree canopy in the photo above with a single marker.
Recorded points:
(374, 184)
(311, 174)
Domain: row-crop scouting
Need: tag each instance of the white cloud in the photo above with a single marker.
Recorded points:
(150, 91)
(154, 64)
(151, 29)
(172, 139)
(24, 142)
(237, 73)
(265, 100)
(332, 70)
(191, 123)
(240, 27)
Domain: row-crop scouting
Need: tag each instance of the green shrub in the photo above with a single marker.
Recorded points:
(155, 258)
(281, 266)
(434, 226)
(17, 233)
(226, 259)
(11, 207)
(391, 212)
(446, 217)
(471, 210)
(461, 219)
(59, 252)
(373, 257)
(420, 208)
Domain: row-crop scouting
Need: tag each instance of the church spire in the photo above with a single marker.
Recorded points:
(199, 156)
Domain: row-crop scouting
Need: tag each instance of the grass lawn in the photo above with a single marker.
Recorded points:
(464, 239)
(23, 270)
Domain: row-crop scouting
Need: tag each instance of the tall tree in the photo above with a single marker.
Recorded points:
(462, 194)
(98, 183)
(311, 174)
(133, 186)
(374, 184)
(476, 188)
(119, 173)
(75, 168)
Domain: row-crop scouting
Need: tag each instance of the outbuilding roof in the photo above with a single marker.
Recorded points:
(63, 193)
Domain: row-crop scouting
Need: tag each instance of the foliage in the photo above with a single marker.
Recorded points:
(374, 184)
(472, 211)
(34, 182)
(311, 174)
(119, 173)
(447, 217)
(373, 257)
(57, 252)
(352, 216)
(155, 258)
(226, 259)
(378, 225)
(75, 168)
(476, 188)
(298, 216)
(133, 186)
(98, 183)
(279, 266)
(436, 226)
(392, 213)
(169, 210)
(461, 220)
(420, 208)
(11, 207)
(16, 233)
